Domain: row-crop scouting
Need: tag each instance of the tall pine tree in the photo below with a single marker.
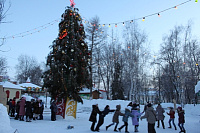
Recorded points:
(68, 59)
(116, 87)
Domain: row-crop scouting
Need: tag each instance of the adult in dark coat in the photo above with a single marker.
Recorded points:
(181, 119)
(28, 107)
(150, 115)
(32, 106)
(93, 119)
(41, 110)
(10, 107)
(17, 110)
(102, 115)
(36, 112)
(53, 108)
(22, 108)
(160, 115)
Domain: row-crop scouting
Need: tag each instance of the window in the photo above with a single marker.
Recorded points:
(17, 94)
(8, 93)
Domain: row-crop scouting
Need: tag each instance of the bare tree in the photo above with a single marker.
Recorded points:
(191, 68)
(28, 67)
(3, 66)
(134, 51)
(172, 57)
(94, 38)
(3, 13)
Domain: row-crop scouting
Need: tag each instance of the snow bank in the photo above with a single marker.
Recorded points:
(5, 120)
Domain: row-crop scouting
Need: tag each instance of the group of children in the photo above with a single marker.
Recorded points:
(23, 107)
(132, 110)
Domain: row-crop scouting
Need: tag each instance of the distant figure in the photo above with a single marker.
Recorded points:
(13, 107)
(150, 115)
(181, 119)
(102, 115)
(17, 110)
(36, 112)
(125, 119)
(53, 108)
(172, 116)
(41, 109)
(22, 108)
(32, 106)
(160, 115)
(10, 107)
(115, 118)
(28, 107)
(93, 119)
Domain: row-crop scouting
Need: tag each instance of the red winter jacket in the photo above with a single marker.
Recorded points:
(171, 113)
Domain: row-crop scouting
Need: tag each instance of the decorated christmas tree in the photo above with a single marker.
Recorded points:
(68, 59)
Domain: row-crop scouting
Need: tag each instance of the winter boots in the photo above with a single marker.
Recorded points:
(107, 127)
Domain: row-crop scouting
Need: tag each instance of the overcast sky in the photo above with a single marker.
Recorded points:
(25, 15)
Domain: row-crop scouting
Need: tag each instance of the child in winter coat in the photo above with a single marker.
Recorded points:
(116, 117)
(102, 115)
(136, 115)
(160, 116)
(125, 119)
(172, 116)
(181, 119)
(93, 119)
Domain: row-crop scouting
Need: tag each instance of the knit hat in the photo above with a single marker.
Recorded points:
(149, 104)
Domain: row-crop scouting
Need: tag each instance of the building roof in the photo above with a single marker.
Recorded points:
(86, 90)
(8, 84)
(27, 85)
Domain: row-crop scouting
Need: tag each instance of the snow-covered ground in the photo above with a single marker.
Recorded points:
(82, 125)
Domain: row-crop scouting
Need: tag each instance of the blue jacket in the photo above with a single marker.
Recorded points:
(127, 114)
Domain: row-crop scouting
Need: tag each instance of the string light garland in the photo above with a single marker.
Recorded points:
(144, 17)
(32, 31)
(38, 29)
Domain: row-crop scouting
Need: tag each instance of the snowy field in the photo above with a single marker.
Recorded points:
(82, 125)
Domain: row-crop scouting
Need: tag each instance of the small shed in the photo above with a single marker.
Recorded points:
(85, 93)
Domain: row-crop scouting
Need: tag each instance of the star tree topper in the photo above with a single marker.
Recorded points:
(72, 3)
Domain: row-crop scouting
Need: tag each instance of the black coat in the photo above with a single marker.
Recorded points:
(28, 107)
(105, 112)
(36, 108)
(95, 111)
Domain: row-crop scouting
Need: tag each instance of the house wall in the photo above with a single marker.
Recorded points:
(95, 95)
(13, 93)
(3, 97)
